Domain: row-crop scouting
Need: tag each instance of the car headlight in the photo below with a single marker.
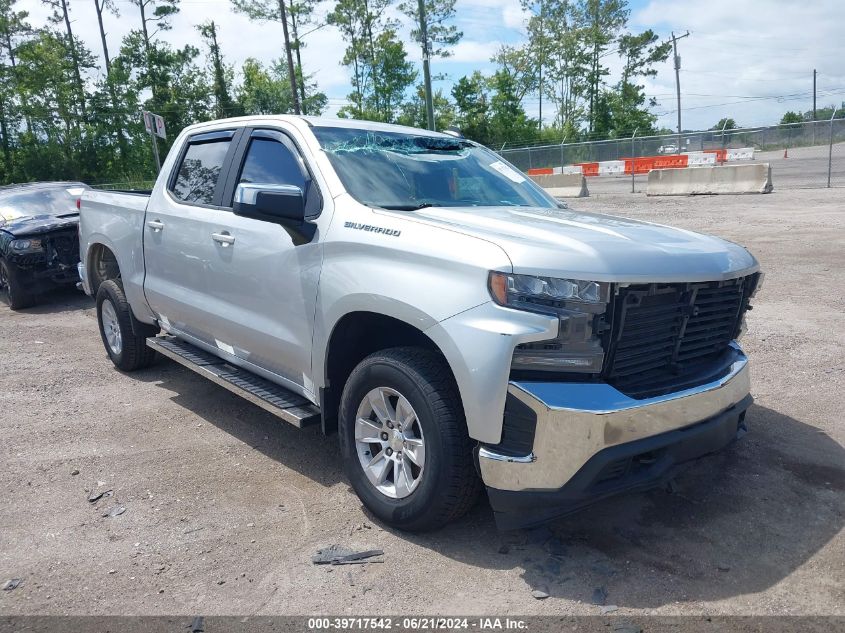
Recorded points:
(580, 305)
(27, 246)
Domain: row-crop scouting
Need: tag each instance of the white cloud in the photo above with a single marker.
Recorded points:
(739, 51)
(469, 51)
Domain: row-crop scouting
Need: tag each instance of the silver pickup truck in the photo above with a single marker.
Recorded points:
(420, 296)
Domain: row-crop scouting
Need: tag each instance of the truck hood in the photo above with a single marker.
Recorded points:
(31, 225)
(565, 243)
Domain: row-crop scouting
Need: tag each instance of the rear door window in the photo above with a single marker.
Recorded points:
(200, 171)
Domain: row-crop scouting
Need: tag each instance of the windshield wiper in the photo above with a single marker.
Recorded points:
(405, 207)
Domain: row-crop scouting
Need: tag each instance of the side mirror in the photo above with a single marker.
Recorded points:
(284, 204)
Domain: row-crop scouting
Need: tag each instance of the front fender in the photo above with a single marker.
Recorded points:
(359, 302)
(478, 345)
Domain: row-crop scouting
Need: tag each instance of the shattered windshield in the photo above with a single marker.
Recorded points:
(400, 171)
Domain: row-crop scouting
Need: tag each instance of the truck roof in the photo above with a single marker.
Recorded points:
(315, 121)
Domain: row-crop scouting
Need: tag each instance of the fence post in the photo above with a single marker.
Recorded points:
(633, 154)
(830, 148)
(562, 142)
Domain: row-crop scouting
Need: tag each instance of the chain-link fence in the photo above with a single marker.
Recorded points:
(803, 155)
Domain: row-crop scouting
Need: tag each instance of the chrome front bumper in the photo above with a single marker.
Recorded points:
(577, 420)
(82, 284)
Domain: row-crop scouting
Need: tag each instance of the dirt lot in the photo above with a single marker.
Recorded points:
(225, 505)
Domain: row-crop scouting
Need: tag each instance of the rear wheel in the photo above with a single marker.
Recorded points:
(404, 440)
(127, 350)
(12, 288)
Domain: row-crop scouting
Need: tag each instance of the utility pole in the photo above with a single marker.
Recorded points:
(814, 94)
(429, 99)
(291, 70)
(678, 79)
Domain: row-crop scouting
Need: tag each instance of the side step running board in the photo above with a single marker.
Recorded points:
(287, 405)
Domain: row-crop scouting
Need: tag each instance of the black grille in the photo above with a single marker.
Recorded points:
(65, 246)
(664, 334)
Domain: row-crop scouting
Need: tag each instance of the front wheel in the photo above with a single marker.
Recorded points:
(127, 350)
(12, 288)
(404, 440)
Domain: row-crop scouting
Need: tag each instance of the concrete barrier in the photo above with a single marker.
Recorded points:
(754, 178)
(563, 185)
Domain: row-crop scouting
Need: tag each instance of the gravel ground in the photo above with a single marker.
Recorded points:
(224, 505)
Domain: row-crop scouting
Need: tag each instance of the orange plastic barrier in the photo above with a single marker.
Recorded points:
(674, 161)
(641, 164)
(541, 171)
(721, 154)
(589, 169)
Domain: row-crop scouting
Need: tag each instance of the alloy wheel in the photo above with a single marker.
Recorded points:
(389, 441)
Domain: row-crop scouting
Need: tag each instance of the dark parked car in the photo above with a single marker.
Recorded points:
(39, 244)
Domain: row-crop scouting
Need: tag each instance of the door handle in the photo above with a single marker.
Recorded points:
(224, 238)
(155, 225)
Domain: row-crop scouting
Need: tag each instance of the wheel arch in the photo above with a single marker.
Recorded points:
(354, 336)
(101, 264)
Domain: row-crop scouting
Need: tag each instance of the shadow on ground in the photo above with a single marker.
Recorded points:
(738, 522)
(65, 299)
(306, 451)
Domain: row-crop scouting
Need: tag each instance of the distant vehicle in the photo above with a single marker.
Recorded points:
(39, 246)
(667, 149)
(419, 295)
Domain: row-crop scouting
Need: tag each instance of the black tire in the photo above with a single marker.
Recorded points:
(449, 485)
(13, 291)
(132, 353)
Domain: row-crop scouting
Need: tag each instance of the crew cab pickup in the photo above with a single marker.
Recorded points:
(417, 294)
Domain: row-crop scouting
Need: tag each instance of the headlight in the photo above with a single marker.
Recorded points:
(26, 246)
(580, 306)
(519, 290)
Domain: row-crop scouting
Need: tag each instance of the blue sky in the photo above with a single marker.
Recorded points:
(748, 59)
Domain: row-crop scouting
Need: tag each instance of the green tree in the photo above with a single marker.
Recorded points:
(61, 15)
(627, 104)
(725, 123)
(182, 94)
(601, 20)
(155, 13)
(222, 75)
(267, 91)
(47, 74)
(440, 33)
(557, 49)
(508, 121)
(413, 110)
(13, 109)
(533, 57)
(791, 117)
(516, 63)
(110, 113)
(381, 73)
(277, 11)
(473, 107)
